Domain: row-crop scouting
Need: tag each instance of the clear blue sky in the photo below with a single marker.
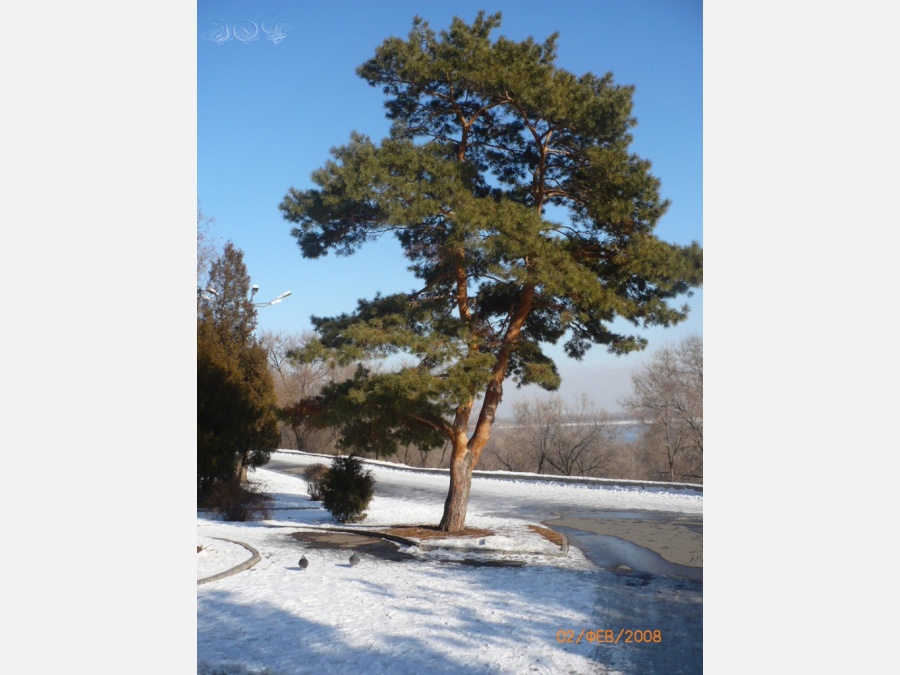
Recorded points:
(267, 115)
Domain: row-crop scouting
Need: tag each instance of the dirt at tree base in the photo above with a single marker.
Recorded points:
(432, 532)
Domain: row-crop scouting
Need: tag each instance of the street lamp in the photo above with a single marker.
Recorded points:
(211, 293)
(270, 302)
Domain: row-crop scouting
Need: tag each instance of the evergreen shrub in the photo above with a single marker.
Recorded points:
(315, 475)
(348, 489)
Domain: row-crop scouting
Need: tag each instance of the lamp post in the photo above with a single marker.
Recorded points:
(275, 301)
(254, 289)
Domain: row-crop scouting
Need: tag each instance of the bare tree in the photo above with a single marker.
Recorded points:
(584, 443)
(667, 393)
(689, 355)
(206, 246)
(295, 382)
(538, 423)
(506, 452)
(549, 436)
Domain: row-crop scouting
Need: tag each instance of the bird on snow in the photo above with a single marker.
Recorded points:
(354, 560)
(304, 563)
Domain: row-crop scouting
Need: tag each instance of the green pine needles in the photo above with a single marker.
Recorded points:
(511, 188)
(347, 489)
(236, 423)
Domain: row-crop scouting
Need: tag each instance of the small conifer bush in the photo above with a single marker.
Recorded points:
(348, 489)
(315, 475)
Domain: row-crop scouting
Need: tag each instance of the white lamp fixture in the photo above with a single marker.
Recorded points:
(271, 302)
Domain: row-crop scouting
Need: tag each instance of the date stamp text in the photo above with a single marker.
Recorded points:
(606, 636)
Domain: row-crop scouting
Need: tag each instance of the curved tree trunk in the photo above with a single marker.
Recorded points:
(467, 451)
(461, 465)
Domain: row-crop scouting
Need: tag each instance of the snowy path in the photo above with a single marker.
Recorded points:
(431, 616)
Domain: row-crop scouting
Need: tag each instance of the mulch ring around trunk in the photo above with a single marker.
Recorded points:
(424, 532)
(385, 543)
(432, 535)
(364, 543)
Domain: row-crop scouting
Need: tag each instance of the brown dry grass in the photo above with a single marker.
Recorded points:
(432, 532)
(552, 536)
(424, 532)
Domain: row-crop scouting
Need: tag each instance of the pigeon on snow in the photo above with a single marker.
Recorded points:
(354, 560)
(304, 563)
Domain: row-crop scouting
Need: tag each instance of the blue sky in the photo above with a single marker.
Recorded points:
(268, 114)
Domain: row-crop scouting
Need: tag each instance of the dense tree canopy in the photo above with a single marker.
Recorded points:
(236, 423)
(511, 189)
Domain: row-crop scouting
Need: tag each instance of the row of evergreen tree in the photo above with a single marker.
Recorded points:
(237, 426)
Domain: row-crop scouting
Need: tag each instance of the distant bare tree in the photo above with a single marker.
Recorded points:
(584, 444)
(549, 436)
(413, 455)
(690, 404)
(206, 246)
(667, 393)
(538, 422)
(295, 382)
(506, 452)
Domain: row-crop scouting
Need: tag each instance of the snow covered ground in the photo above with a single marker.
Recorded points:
(427, 615)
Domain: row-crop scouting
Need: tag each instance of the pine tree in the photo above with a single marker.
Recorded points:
(347, 489)
(510, 186)
(236, 422)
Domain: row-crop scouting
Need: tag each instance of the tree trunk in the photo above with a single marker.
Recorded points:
(240, 469)
(461, 465)
(467, 452)
(671, 466)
